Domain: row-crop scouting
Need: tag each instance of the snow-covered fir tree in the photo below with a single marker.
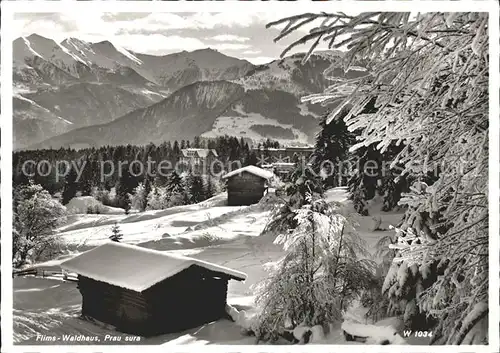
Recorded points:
(139, 196)
(195, 188)
(157, 198)
(302, 182)
(36, 215)
(321, 272)
(176, 190)
(175, 183)
(147, 190)
(429, 76)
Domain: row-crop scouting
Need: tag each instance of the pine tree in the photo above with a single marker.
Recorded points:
(47, 178)
(175, 189)
(139, 197)
(160, 178)
(303, 182)
(116, 234)
(147, 190)
(320, 274)
(125, 186)
(20, 177)
(439, 117)
(251, 159)
(196, 188)
(373, 176)
(158, 198)
(70, 186)
(88, 173)
(197, 142)
(175, 183)
(364, 179)
(176, 150)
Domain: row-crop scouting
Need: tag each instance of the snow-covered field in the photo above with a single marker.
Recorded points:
(228, 236)
(241, 126)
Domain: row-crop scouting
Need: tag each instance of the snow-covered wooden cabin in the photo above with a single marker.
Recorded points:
(247, 185)
(147, 292)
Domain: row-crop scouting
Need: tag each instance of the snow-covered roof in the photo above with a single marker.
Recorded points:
(201, 152)
(134, 267)
(265, 174)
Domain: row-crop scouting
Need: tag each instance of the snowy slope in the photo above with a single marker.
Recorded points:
(150, 225)
(81, 204)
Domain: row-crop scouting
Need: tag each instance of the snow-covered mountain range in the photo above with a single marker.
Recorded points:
(77, 93)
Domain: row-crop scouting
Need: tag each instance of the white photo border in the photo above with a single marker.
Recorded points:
(281, 8)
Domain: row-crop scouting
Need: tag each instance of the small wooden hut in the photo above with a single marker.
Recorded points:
(147, 292)
(247, 185)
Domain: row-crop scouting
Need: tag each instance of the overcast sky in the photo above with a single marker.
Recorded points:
(240, 35)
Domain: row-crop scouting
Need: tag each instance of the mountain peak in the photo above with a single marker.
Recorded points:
(35, 36)
(40, 42)
(208, 50)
